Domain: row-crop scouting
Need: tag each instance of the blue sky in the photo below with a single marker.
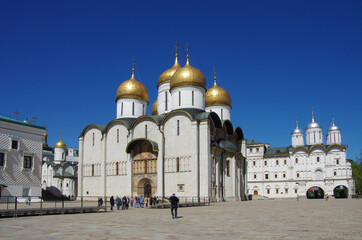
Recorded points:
(62, 61)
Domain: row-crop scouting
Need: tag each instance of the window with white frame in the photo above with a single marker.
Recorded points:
(2, 159)
(28, 162)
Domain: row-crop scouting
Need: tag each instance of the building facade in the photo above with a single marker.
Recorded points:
(21, 145)
(312, 169)
(185, 147)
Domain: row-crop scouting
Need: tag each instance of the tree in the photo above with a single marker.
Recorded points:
(357, 172)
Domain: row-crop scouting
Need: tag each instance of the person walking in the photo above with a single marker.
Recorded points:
(297, 197)
(124, 202)
(118, 202)
(100, 202)
(142, 201)
(111, 201)
(174, 204)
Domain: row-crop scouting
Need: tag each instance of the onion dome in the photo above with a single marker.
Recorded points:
(154, 108)
(313, 124)
(217, 96)
(45, 135)
(167, 75)
(60, 144)
(333, 127)
(132, 89)
(187, 76)
(297, 130)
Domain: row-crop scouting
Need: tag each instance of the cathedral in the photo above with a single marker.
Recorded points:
(311, 169)
(188, 145)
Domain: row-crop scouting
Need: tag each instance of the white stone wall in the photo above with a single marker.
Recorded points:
(13, 174)
(297, 139)
(314, 136)
(59, 154)
(334, 137)
(186, 97)
(130, 108)
(223, 111)
(164, 98)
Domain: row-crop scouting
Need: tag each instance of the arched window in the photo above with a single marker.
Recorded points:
(285, 162)
(178, 127)
(193, 98)
(253, 163)
(296, 160)
(284, 175)
(228, 168)
(317, 159)
(93, 138)
(179, 98)
(117, 135)
(145, 131)
(177, 164)
(277, 162)
(265, 163)
(276, 176)
(254, 176)
(92, 170)
(335, 173)
(298, 175)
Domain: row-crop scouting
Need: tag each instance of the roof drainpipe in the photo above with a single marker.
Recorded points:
(163, 163)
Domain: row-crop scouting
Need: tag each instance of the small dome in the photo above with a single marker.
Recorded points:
(217, 96)
(154, 110)
(297, 130)
(187, 76)
(313, 124)
(45, 135)
(60, 144)
(167, 75)
(334, 128)
(132, 89)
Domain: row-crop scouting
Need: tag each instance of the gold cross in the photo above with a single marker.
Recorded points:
(214, 72)
(133, 62)
(187, 48)
(176, 44)
(60, 135)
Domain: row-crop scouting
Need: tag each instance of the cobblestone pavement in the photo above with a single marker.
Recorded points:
(258, 219)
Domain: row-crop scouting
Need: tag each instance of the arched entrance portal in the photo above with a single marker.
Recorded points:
(340, 192)
(145, 188)
(255, 192)
(315, 192)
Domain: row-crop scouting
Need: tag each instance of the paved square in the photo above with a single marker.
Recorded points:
(258, 219)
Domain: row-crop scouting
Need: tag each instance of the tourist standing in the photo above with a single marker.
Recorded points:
(174, 204)
(124, 202)
(132, 200)
(111, 201)
(100, 202)
(297, 197)
(142, 201)
(118, 202)
(146, 201)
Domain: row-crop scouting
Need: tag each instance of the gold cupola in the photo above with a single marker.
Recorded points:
(167, 75)
(132, 89)
(217, 95)
(154, 110)
(187, 76)
(60, 144)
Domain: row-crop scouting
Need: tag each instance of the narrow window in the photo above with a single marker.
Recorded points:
(133, 109)
(295, 190)
(117, 168)
(27, 161)
(228, 168)
(335, 173)
(268, 191)
(337, 161)
(286, 190)
(257, 150)
(277, 162)
(265, 163)
(92, 170)
(193, 98)
(284, 175)
(178, 127)
(145, 166)
(254, 176)
(317, 159)
(93, 138)
(166, 101)
(222, 114)
(179, 98)
(297, 175)
(67, 184)
(2, 159)
(296, 160)
(285, 162)
(145, 131)
(276, 176)
(117, 135)
(61, 184)
(177, 164)
(266, 176)
(253, 163)
(277, 191)
(122, 109)
(14, 144)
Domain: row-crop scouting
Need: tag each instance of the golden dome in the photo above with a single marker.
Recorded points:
(188, 75)
(45, 134)
(217, 96)
(166, 75)
(154, 108)
(60, 144)
(132, 89)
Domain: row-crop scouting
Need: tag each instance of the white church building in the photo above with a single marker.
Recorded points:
(188, 145)
(312, 169)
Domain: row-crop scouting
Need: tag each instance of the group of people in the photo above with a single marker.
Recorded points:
(136, 201)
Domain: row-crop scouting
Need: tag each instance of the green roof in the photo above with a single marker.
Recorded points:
(252, 142)
(10, 120)
(279, 151)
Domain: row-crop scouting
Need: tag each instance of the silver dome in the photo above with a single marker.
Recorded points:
(297, 130)
(313, 125)
(334, 128)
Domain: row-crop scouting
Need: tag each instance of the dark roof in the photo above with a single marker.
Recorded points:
(253, 142)
(10, 120)
(278, 151)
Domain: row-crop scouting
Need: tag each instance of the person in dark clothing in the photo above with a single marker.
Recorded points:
(111, 201)
(100, 202)
(118, 202)
(174, 204)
